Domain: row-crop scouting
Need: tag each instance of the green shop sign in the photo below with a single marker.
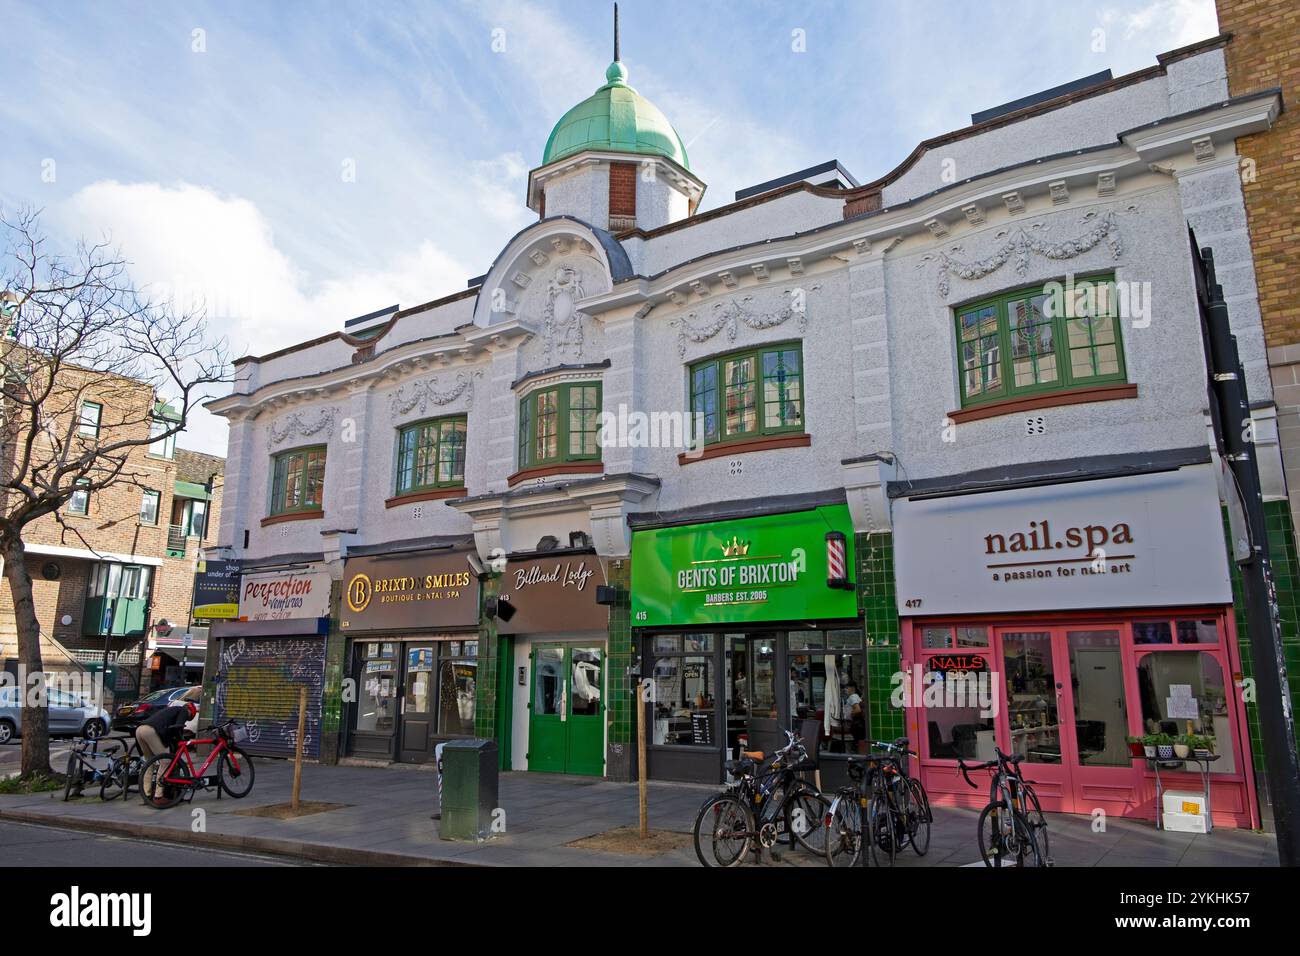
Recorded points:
(771, 568)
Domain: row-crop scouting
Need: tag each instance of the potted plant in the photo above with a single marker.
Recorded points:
(1135, 746)
(1149, 745)
(1183, 746)
(1164, 746)
(1202, 746)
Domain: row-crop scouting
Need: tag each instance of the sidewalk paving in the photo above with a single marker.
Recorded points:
(386, 821)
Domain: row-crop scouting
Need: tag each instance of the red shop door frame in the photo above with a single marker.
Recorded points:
(1071, 787)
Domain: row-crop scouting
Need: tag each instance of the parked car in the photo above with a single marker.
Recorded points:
(69, 716)
(132, 715)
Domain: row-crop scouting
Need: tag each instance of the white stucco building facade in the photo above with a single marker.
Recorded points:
(823, 332)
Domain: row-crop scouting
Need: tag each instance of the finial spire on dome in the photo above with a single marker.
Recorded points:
(616, 33)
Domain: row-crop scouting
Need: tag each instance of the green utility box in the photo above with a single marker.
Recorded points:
(469, 789)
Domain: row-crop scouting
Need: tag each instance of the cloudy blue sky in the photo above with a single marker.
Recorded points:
(212, 142)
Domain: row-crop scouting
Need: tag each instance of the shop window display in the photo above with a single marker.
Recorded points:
(827, 685)
(1184, 693)
(683, 700)
(458, 673)
(377, 691)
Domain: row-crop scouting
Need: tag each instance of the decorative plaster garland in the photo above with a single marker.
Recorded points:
(426, 393)
(1020, 244)
(727, 315)
(295, 424)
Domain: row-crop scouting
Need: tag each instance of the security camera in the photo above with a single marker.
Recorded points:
(475, 564)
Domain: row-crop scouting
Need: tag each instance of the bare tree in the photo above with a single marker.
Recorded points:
(74, 324)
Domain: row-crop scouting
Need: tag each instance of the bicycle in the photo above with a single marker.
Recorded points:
(123, 773)
(767, 800)
(1012, 824)
(85, 768)
(167, 778)
(894, 804)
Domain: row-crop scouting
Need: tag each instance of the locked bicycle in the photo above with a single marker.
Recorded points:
(883, 811)
(768, 802)
(1012, 828)
(123, 773)
(87, 765)
(168, 778)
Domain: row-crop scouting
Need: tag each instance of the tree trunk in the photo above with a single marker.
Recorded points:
(36, 720)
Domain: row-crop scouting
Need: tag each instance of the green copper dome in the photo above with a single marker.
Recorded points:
(617, 118)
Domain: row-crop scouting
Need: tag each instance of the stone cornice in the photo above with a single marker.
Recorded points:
(1177, 136)
(679, 177)
(446, 352)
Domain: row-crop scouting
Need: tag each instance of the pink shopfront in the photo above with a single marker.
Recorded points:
(1056, 621)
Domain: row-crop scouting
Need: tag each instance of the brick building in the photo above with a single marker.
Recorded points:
(117, 562)
(1265, 54)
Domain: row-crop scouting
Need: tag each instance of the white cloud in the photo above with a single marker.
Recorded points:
(1166, 24)
(198, 249)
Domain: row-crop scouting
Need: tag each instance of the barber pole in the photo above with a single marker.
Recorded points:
(836, 561)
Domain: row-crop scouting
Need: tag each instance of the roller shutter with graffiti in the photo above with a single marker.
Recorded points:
(258, 684)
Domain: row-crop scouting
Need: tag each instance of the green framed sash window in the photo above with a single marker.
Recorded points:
(431, 454)
(1037, 340)
(560, 424)
(298, 480)
(749, 394)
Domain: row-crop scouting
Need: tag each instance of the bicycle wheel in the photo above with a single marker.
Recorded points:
(805, 814)
(114, 781)
(74, 771)
(880, 831)
(1038, 822)
(1006, 838)
(722, 831)
(844, 830)
(235, 773)
(919, 817)
(154, 791)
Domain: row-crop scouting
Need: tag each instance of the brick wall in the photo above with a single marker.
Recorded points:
(622, 193)
(112, 525)
(1265, 53)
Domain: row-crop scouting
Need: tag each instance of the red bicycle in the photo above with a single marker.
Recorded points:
(166, 778)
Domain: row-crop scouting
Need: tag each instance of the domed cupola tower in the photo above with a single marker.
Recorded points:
(615, 161)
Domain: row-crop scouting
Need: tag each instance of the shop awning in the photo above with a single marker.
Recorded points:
(191, 489)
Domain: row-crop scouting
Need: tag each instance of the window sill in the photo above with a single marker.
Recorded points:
(725, 449)
(559, 468)
(293, 516)
(1073, 396)
(432, 494)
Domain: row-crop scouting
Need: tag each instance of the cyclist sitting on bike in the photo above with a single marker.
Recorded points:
(163, 730)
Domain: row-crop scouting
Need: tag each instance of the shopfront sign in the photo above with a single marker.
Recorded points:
(284, 595)
(216, 591)
(769, 568)
(554, 595)
(1139, 541)
(408, 592)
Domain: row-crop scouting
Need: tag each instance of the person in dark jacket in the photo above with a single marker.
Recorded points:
(162, 731)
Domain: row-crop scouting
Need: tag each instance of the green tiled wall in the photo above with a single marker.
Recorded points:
(332, 693)
(1286, 577)
(621, 651)
(485, 688)
(875, 554)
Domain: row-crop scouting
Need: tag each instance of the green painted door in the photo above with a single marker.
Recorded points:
(566, 730)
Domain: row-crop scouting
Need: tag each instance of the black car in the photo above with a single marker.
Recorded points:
(132, 715)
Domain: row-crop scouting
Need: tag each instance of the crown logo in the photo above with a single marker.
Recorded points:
(735, 548)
